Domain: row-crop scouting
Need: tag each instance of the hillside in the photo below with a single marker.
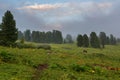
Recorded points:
(62, 62)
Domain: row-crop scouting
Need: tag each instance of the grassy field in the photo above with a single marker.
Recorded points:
(62, 62)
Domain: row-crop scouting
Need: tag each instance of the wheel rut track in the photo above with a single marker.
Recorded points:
(39, 71)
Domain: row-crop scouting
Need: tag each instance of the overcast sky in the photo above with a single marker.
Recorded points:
(69, 16)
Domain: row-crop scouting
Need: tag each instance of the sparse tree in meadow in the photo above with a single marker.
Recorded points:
(79, 40)
(94, 40)
(27, 35)
(103, 38)
(49, 37)
(118, 40)
(112, 40)
(85, 41)
(107, 40)
(68, 39)
(57, 37)
(20, 35)
(9, 31)
(35, 36)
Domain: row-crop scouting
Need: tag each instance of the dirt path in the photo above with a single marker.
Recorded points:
(39, 70)
(107, 67)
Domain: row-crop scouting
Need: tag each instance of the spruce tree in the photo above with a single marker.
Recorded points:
(8, 28)
(107, 40)
(68, 39)
(79, 40)
(85, 41)
(103, 38)
(112, 40)
(20, 35)
(27, 35)
(94, 40)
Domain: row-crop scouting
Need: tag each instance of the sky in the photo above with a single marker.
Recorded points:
(69, 16)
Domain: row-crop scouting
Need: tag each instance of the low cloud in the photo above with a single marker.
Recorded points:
(42, 6)
(68, 8)
(70, 17)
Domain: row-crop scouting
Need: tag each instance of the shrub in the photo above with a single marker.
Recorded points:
(57, 66)
(46, 47)
(7, 43)
(19, 45)
(8, 57)
(80, 68)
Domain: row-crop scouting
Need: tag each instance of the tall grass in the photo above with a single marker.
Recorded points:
(65, 62)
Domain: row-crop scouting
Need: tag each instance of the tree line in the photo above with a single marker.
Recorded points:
(96, 41)
(9, 34)
(54, 36)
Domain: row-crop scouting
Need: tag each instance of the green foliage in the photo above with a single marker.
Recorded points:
(63, 64)
(44, 37)
(32, 46)
(20, 35)
(112, 40)
(68, 39)
(19, 45)
(85, 41)
(57, 66)
(79, 40)
(22, 40)
(103, 39)
(8, 57)
(57, 37)
(94, 40)
(80, 68)
(46, 47)
(27, 34)
(9, 31)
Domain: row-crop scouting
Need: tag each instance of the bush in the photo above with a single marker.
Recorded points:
(3, 43)
(19, 45)
(8, 57)
(7, 43)
(46, 47)
(57, 66)
(80, 68)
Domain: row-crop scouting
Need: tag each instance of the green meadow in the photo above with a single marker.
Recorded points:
(62, 62)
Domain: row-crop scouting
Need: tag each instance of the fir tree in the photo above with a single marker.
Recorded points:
(85, 41)
(94, 40)
(9, 31)
(79, 40)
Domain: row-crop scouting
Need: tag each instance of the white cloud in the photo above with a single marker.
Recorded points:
(54, 14)
(71, 8)
(42, 6)
(70, 17)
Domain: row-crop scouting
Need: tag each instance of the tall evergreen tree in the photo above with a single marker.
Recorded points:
(112, 40)
(68, 39)
(27, 35)
(0, 27)
(107, 40)
(8, 28)
(20, 35)
(57, 37)
(103, 38)
(0, 33)
(49, 37)
(79, 40)
(85, 41)
(118, 40)
(94, 40)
